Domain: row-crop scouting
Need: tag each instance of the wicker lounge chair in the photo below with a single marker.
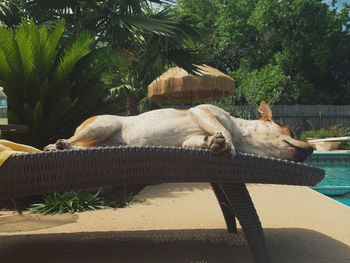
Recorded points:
(39, 173)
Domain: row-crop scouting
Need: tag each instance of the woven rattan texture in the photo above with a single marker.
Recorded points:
(39, 173)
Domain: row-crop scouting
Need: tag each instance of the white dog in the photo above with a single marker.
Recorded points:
(203, 126)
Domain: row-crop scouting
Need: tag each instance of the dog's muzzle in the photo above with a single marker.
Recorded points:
(297, 153)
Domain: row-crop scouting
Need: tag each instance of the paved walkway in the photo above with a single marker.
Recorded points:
(182, 223)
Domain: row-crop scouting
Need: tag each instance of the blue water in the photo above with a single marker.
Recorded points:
(336, 174)
(336, 183)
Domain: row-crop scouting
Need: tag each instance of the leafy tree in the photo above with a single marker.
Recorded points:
(51, 87)
(307, 42)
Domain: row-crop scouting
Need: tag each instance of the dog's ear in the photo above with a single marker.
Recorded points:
(265, 111)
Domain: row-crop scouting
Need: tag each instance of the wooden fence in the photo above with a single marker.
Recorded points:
(304, 117)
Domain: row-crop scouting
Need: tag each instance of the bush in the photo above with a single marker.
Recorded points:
(69, 202)
(255, 86)
(227, 104)
(52, 81)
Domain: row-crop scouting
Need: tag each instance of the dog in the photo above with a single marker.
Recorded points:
(205, 126)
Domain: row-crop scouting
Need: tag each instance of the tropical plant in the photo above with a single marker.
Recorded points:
(11, 12)
(126, 197)
(150, 38)
(52, 82)
(69, 202)
(126, 26)
(161, 51)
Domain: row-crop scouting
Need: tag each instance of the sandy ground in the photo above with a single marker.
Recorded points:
(182, 223)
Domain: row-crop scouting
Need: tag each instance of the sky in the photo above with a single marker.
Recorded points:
(339, 2)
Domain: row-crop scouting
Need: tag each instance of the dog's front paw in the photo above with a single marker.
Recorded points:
(219, 145)
(63, 144)
(50, 148)
(230, 151)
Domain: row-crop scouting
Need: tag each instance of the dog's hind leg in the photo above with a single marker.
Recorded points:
(197, 141)
(91, 133)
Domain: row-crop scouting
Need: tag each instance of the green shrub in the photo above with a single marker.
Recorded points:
(69, 202)
(228, 104)
(268, 84)
(126, 197)
(52, 81)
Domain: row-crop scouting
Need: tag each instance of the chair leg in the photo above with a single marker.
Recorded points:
(227, 210)
(240, 200)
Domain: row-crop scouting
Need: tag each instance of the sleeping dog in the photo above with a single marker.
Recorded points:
(204, 126)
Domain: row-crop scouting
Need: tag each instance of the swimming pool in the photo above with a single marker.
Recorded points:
(336, 183)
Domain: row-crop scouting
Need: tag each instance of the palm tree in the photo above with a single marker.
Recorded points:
(11, 12)
(51, 87)
(151, 39)
(126, 26)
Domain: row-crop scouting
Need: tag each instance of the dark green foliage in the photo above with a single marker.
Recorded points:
(52, 83)
(228, 105)
(126, 197)
(269, 84)
(150, 39)
(11, 12)
(69, 202)
(280, 51)
(125, 26)
(177, 47)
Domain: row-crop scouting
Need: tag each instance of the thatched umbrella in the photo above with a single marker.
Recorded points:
(178, 86)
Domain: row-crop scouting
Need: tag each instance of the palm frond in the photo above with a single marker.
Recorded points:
(49, 43)
(4, 66)
(147, 24)
(25, 46)
(53, 4)
(60, 109)
(10, 75)
(10, 13)
(79, 48)
(91, 65)
(38, 118)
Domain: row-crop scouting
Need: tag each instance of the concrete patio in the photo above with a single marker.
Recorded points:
(182, 223)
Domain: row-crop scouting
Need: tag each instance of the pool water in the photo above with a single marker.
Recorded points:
(336, 183)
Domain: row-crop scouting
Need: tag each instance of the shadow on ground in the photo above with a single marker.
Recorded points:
(172, 190)
(31, 222)
(285, 245)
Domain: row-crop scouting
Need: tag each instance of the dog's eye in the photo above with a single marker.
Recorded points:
(288, 131)
(292, 134)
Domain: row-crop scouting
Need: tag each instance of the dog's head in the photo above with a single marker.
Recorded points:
(265, 137)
